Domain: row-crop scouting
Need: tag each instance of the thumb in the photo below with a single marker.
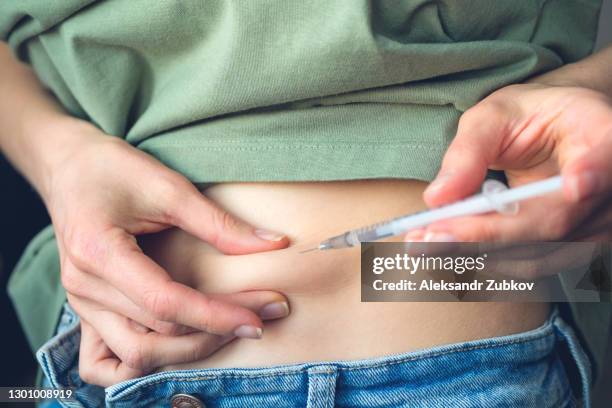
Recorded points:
(590, 174)
(468, 157)
(266, 304)
(230, 235)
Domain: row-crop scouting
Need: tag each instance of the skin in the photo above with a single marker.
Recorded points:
(560, 121)
(324, 287)
(100, 193)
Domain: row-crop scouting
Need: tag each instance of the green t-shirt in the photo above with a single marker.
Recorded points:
(283, 90)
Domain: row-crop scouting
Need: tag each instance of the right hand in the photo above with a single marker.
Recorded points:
(100, 196)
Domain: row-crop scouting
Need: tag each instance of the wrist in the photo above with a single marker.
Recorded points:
(566, 76)
(51, 140)
(590, 73)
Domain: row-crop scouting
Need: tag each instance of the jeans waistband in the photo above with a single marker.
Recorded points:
(465, 373)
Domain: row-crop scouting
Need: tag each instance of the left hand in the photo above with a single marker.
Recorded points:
(531, 131)
(122, 349)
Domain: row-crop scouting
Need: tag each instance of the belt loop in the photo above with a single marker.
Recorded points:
(322, 386)
(580, 358)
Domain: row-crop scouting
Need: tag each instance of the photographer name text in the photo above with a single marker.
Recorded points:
(442, 285)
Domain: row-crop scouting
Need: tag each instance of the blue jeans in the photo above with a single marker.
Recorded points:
(520, 370)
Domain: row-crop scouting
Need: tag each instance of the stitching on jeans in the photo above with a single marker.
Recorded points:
(293, 373)
(321, 372)
(62, 342)
(58, 346)
(54, 376)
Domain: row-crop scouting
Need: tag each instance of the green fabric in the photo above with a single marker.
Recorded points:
(36, 290)
(290, 90)
(281, 90)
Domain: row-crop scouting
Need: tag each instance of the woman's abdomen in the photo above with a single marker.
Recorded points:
(328, 320)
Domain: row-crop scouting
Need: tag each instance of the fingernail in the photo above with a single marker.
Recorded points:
(274, 310)
(269, 235)
(584, 185)
(248, 332)
(439, 237)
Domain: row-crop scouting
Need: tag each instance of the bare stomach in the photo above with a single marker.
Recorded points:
(328, 320)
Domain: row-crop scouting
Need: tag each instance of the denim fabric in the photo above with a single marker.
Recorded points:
(59, 360)
(521, 370)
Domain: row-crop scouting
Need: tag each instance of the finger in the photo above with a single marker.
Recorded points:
(98, 364)
(116, 258)
(98, 294)
(267, 304)
(194, 213)
(590, 174)
(547, 218)
(145, 351)
(85, 286)
(159, 302)
(475, 146)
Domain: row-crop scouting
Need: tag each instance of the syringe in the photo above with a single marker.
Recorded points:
(495, 196)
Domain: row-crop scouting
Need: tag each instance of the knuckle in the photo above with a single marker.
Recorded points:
(95, 252)
(489, 110)
(158, 303)
(72, 280)
(83, 249)
(136, 356)
(167, 328)
(206, 322)
(171, 192)
(223, 221)
(201, 349)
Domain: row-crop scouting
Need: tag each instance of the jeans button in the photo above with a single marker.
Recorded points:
(186, 401)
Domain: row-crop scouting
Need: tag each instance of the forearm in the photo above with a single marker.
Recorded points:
(592, 72)
(33, 126)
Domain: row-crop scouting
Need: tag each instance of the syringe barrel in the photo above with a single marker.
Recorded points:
(372, 233)
(472, 205)
(493, 198)
(337, 242)
(355, 237)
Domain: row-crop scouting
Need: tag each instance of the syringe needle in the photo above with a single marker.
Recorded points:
(309, 250)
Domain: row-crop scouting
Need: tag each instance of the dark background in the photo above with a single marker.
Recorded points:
(22, 215)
